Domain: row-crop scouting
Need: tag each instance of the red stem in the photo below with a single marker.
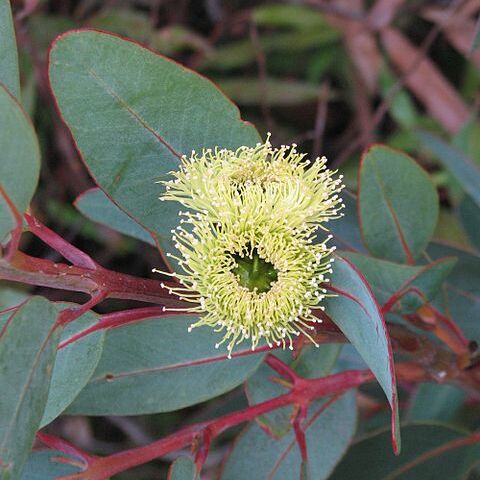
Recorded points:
(116, 319)
(302, 394)
(37, 271)
(451, 326)
(63, 446)
(70, 314)
(16, 233)
(299, 429)
(281, 368)
(397, 296)
(52, 239)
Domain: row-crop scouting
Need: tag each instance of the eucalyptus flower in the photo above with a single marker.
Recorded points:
(252, 242)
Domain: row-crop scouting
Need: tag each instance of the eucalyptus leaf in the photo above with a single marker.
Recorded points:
(412, 285)
(9, 74)
(466, 172)
(48, 465)
(460, 297)
(96, 205)
(183, 468)
(133, 114)
(28, 345)
(370, 457)
(398, 205)
(355, 311)
(74, 365)
(20, 164)
(167, 367)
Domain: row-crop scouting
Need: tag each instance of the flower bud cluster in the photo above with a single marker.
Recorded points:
(265, 203)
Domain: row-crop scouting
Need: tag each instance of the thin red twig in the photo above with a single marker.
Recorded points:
(69, 314)
(37, 271)
(116, 319)
(63, 446)
(64, 248)
(16, 233)
(301, 394)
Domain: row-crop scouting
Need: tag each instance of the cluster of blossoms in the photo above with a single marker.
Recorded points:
(253, 263)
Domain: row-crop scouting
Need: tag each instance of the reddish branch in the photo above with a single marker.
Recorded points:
(37, 271)
(16, 233)
(84, 275)
(59, 244)
(199, 436)
(302, 393)
(61, 445)
(116, 319)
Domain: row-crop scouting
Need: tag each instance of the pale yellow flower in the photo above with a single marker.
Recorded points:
(253, 265)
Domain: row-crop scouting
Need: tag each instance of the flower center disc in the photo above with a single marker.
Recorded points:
(255, 273)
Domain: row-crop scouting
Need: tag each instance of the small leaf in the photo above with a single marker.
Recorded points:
(9, 74)
(428, 453)
(412, 285)
(11, 295)
(402, 107)
(183, 468)
(28, 345)
(74, 365)
(167, 368)
(95, 205)
(133, 114)
(20, 162)
(258, 456)
(457, 163)
(433, 401)
(469, 213)
(398, 205)
(356, 312)
(346, 230)
(49, 465)
(461, 294)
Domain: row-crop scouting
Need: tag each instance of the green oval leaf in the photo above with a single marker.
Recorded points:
(157, 366)
(461, 293)
(436, 402)
(355, 311)
(428, 453)
(469, 213)
(346, 230)
(74, 365)
(328, 434)
(28, 345)
(133, 114)
(398, 204)
(412, 286)
(11, 295)
(96, 206)
(457, 163)
(49, 465)
(183, 468)
(9, 74)
(20, 164)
